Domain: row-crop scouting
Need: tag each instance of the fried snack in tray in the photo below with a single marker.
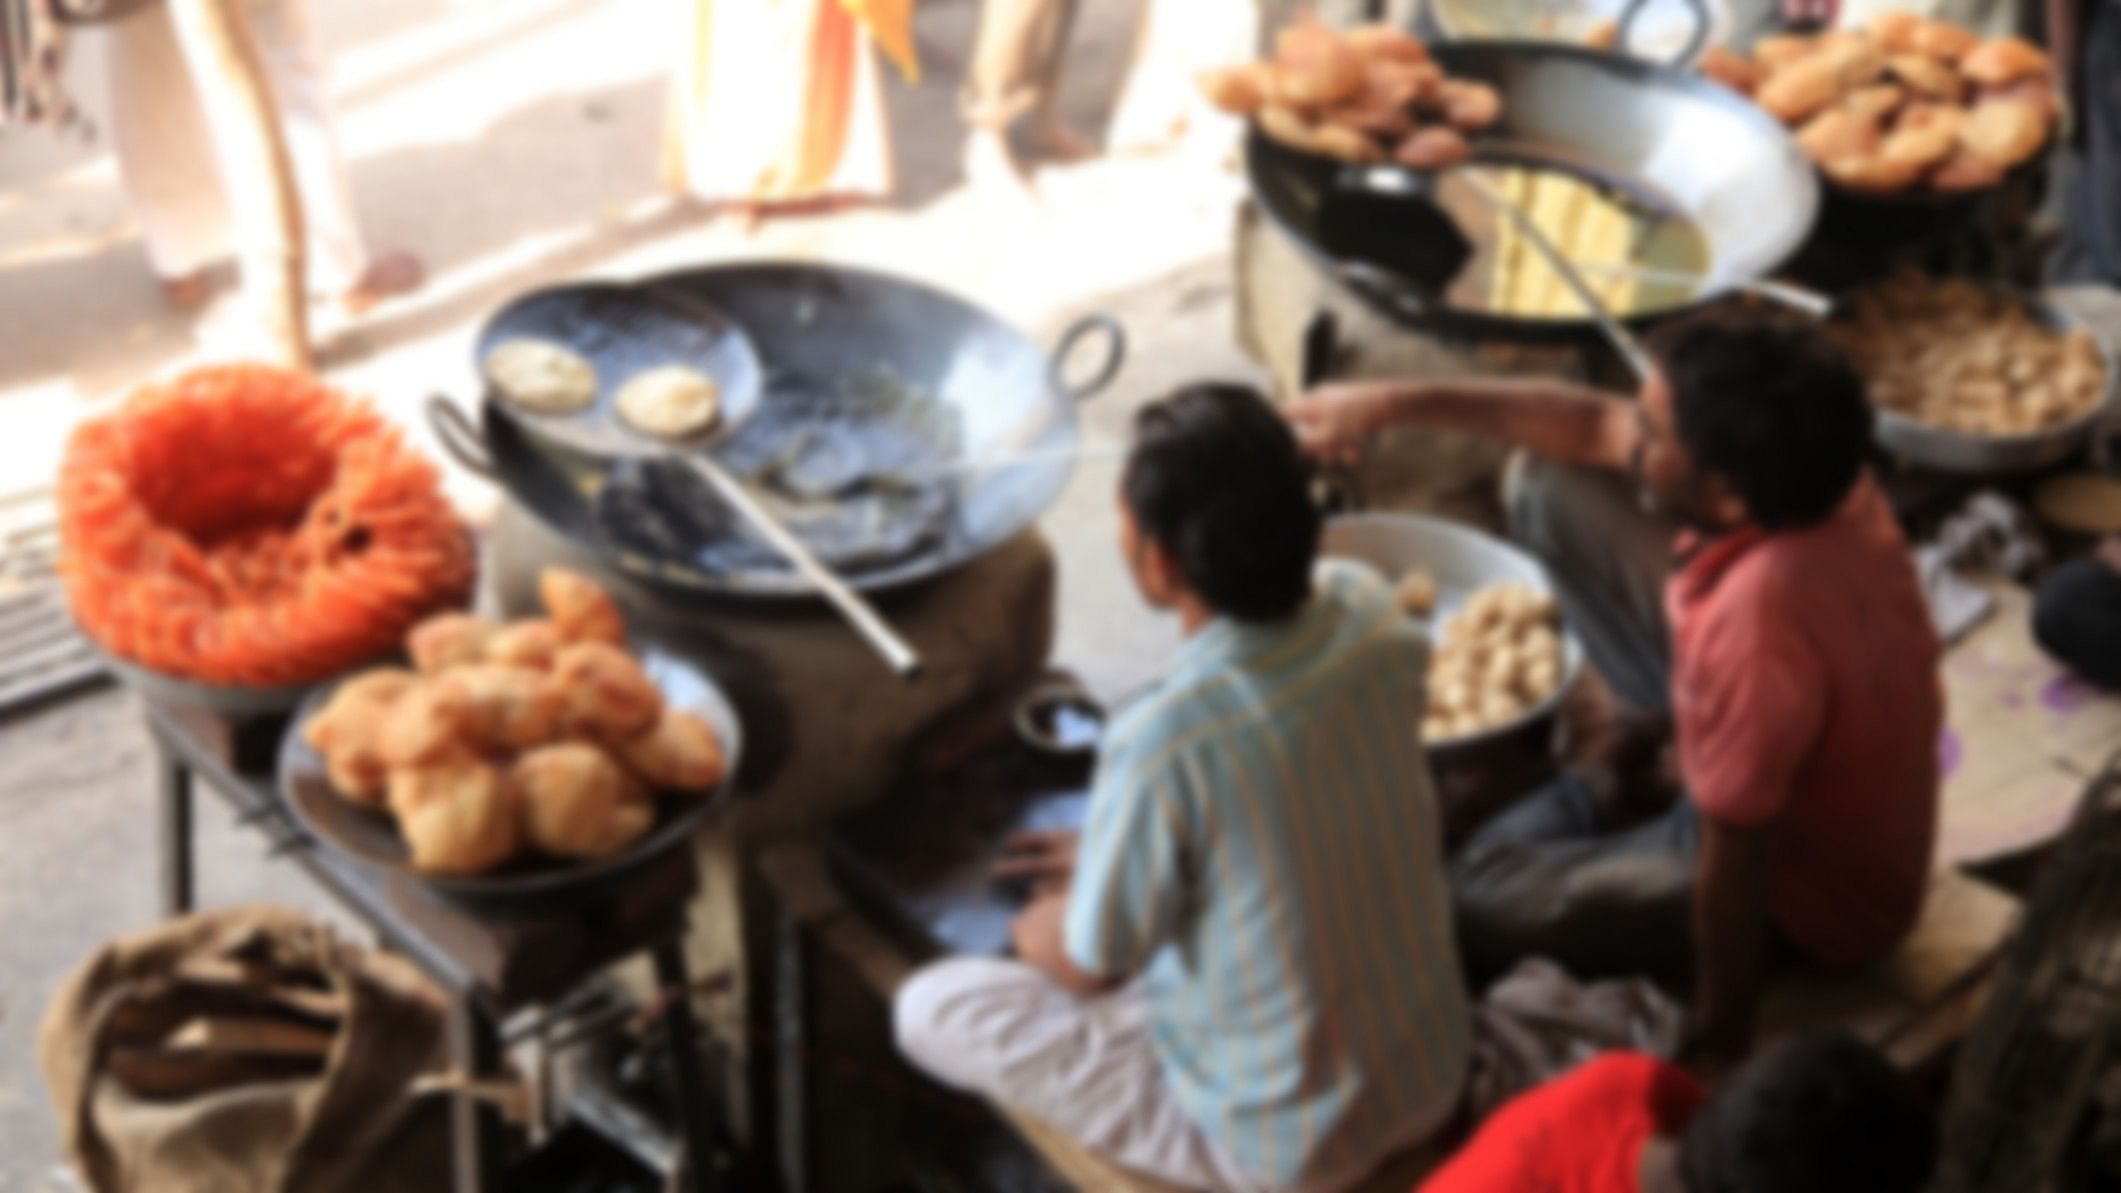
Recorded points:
(604, 693)
(499, 708)
(525, 644)
(457, 815)
(679, 752)
(346, 731)
(1952, 113)
(2005, 132)
(1498, 657)
(1362, 96)
(1956, 355)
(537, 740)
(576, 801)
(580, 611)
(447, 640)
(1733, 70)
(249, 526)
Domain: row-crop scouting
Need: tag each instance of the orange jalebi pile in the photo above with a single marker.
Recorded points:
(243, 525)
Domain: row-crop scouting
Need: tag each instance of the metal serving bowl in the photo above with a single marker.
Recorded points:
(1462, 561)
(1942, 449)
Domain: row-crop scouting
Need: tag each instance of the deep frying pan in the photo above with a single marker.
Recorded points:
(624, 331)
(831, 324)
(1671, 140)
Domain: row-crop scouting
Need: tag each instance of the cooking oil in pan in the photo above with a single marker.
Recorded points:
(1639, 258)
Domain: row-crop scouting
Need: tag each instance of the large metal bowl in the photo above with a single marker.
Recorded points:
(1941, 449)
(1672, 140)
(1462, 561)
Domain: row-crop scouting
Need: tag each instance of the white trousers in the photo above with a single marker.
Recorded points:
(171, 163)
(1086, 1067)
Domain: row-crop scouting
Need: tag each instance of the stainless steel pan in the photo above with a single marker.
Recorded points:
(828, 339)
(1664, 138)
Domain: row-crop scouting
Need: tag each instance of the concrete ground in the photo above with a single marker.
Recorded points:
(512, 143)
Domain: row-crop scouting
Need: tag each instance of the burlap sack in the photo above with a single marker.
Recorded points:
(246, 1049)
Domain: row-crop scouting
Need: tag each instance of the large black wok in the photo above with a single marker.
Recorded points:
(827, 336)
(1668, 140)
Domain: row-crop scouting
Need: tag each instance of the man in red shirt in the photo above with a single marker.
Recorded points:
(1819, 1113)
(1751, 587)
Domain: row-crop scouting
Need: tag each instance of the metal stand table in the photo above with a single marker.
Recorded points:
(487, 966)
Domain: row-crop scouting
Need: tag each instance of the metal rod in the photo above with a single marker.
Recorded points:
(859, 612)
(1623, 341)
(1819, 306)
(175, 782)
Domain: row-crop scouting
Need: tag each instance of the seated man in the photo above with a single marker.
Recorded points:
(1800, 666)
(1244, 978)
(1818, 1113)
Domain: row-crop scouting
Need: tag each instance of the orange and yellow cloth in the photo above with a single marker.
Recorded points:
(777, 101)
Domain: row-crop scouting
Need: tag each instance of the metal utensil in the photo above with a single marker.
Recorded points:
(1007, 394)
(624, 331)
(1797, 298)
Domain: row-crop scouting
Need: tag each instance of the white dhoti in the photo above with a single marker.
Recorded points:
(1083, 1066)
(173, 165)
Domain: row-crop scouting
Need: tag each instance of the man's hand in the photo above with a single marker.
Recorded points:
(1040, 940)
(1044, 861)
(1335, 422)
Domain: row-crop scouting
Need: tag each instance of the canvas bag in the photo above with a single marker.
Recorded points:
(246, 1049)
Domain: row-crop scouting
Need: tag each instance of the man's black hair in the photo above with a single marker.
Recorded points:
(1772, 407)
(1819, 1113)
(1216, 479)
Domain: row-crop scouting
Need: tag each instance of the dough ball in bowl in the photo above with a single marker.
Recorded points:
(670, 402)
(541, 376)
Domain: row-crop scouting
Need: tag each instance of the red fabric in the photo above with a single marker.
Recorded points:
(1806, 693)
(1579, 1133)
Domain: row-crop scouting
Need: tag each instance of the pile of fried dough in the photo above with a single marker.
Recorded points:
(542, 735)
(1365, 95)
(1960, 356)
(1497, 658)
(1908, 104)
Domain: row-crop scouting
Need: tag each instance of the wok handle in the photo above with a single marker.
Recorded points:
(459, 436)
(859, 612)
(1695, 43)
(1108, 368)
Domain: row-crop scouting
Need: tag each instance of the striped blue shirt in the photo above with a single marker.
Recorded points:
(1263, 842)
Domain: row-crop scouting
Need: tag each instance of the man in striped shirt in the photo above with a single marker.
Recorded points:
(1242, 976)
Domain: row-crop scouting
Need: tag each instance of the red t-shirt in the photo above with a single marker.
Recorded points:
(1579, 1133)
(1805, 691)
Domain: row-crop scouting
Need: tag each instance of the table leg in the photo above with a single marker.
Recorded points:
(702, 1157)
(174, 780)
(477, 1135)
(791, 1013)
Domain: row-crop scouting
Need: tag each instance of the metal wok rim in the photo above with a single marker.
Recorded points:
(1400, 302)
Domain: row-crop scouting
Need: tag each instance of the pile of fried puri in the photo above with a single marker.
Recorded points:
(1366, 95)
(1958, 355)
(542, 735)
(1497, 658)
(1908, 104)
